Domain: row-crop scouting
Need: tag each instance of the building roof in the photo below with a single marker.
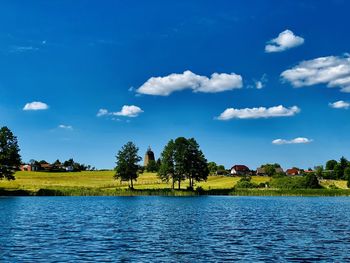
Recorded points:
(240, 167)
(292, 171)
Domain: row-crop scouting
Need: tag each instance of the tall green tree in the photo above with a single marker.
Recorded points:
(167, 164)
(180, 159)
(330, 165)
(10, 160)
(197, 164)
(127, 163)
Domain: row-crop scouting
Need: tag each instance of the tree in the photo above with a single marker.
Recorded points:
(311, 181)
(319, 171)
(127, 163)
(167, 166)
(221, 170)
(197, 164)
(338, 171)
(270, 169)
(180, 156)
(152, 166)
(10, 159)
(213, 168)
(330, 165)
(347, 176)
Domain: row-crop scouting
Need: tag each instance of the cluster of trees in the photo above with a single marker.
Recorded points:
(215, 169)
(336, 170)
(181, 159)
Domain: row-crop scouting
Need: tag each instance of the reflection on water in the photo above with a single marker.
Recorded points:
(174, 229)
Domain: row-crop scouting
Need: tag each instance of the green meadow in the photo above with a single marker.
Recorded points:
(102, 183)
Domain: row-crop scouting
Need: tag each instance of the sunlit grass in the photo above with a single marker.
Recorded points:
(103, 183)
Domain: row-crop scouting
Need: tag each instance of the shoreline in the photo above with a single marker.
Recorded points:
(82, 191)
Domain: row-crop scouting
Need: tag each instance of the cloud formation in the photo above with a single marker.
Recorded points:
(65, 127)
(129, 111)
(284, 41)
(298, 140)
(164, 86)
(126, 111)
(256, 113)
(334, 71)
(35, 105)
(340, 104)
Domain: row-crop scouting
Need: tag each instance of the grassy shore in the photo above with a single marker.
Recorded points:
(102, 183)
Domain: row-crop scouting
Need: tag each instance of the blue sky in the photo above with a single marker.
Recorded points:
(216, 63)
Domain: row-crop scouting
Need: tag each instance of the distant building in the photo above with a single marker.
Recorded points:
(45, 166)
(293, 171)
(149, 156)
(239, 169)
(25, 167)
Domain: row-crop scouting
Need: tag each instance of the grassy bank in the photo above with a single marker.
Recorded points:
(102, 183)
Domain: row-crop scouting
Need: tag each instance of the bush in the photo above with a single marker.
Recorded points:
(245, 182)
(309, 181)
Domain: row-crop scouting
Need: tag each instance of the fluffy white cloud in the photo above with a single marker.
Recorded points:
(126, 111)
(35, 105)
(284, 41)
(129, 111)
(334, 71)
(299, 140)
(261, 112)
(340, 104)
(66, 127)
(164, 86)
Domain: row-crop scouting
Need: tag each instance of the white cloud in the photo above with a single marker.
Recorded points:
(284, 41)
(299, 140)
(66, 127)
(259, 84)
(35, 105)
(261, 112)
(102, 112)
(129, 111)
(340, 104)
(164, 86)
(126, 111)
(334, 71)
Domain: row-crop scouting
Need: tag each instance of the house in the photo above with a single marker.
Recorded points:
(293, 171)
(261, 171)
(239, 169)
(45, 166)
(25, 167)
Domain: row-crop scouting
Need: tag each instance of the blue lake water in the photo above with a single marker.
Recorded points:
(174, 229)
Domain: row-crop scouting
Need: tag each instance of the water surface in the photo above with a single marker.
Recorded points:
(174, 229)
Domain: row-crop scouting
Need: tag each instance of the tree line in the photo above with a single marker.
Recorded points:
(180, 160)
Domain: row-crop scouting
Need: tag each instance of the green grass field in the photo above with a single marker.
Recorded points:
(102, 183)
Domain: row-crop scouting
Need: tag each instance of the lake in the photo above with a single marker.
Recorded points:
(174, 229)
